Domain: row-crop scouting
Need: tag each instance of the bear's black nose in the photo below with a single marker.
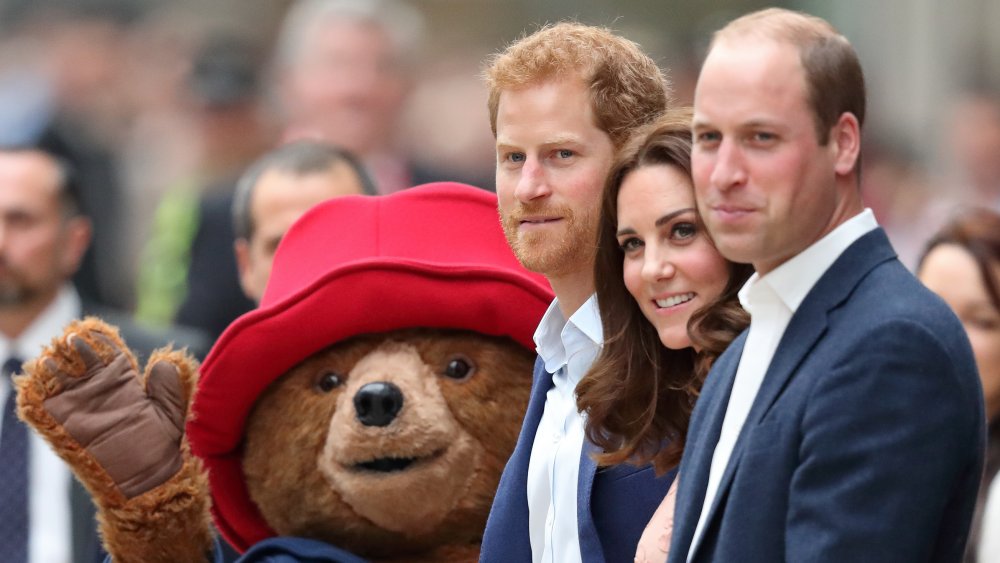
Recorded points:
(378, 403)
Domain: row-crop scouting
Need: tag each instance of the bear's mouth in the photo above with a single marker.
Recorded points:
(391, 464)
(386, 464)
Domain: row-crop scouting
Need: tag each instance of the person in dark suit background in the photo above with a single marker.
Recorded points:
(244, 228)
(846, 424)
(562, 100)
(45, 517)
(188, 272)
(343, 71)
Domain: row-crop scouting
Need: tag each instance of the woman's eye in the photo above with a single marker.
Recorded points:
(683, 231)
(630, 244)
(516, 157)
(985, 323)
(564, 153)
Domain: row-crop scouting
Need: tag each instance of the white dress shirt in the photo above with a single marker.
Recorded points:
(771, 301)
(989, 535)
(567, 348)
(50, 530)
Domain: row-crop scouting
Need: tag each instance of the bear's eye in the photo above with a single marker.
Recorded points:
(459, 367)
(329, 381)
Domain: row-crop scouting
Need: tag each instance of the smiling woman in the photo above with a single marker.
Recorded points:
(668, 301)
(670, 266)
(962, 265)
(668, 306)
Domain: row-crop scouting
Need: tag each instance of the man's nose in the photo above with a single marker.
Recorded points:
(729, 170)
(532, 184)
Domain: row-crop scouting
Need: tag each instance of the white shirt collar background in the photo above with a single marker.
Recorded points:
(50, 538)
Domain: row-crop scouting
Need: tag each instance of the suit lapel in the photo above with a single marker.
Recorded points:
(809, 323)
(518, 464)
(805, 329)
(589, 542)
(706, 425)
(533, 415)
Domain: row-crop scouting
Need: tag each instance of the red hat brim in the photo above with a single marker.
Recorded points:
(372, 291)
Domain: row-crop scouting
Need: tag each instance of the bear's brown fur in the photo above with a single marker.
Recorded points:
(62, 398)
(304, 445)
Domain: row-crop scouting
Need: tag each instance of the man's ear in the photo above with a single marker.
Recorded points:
(77, 234)
(241, 248)
(846, 140)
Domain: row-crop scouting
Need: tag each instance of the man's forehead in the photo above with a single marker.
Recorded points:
(344, 37)
(28, 177)
(760, 64)
(545, 111)
(283, 190)
(547, 81)
(550, 138)
(748, 47)
(27, 161)
(338, 168)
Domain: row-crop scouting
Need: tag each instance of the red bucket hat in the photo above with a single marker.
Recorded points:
(432, 256)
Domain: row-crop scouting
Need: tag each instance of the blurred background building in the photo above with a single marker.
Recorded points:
(159, 102)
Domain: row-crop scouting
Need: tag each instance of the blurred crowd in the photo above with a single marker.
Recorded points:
(160, 113)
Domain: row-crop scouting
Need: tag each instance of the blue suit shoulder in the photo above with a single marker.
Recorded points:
(891, 302)
(297, 550)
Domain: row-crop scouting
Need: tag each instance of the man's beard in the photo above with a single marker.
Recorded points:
(14, 291)
(553, 254)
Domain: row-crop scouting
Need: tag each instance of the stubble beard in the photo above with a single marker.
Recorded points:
(13, 295)
(553, 254)
(15, 292)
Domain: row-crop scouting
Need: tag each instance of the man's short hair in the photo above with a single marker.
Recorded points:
(299, 158)
(67, 184)
(402, 23)
(627, 88)
(834, 78)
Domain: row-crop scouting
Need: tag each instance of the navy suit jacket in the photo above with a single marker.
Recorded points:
(865, 441)
(614, 504)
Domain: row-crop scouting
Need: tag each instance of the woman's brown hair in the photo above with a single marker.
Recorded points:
(638, 395)
(977, 230)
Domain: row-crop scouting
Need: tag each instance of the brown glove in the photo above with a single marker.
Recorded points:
(123, 437)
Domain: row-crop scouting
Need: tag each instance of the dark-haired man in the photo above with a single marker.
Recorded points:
(45, 517)
(271, 194)
(278, 189)
(847, 423)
